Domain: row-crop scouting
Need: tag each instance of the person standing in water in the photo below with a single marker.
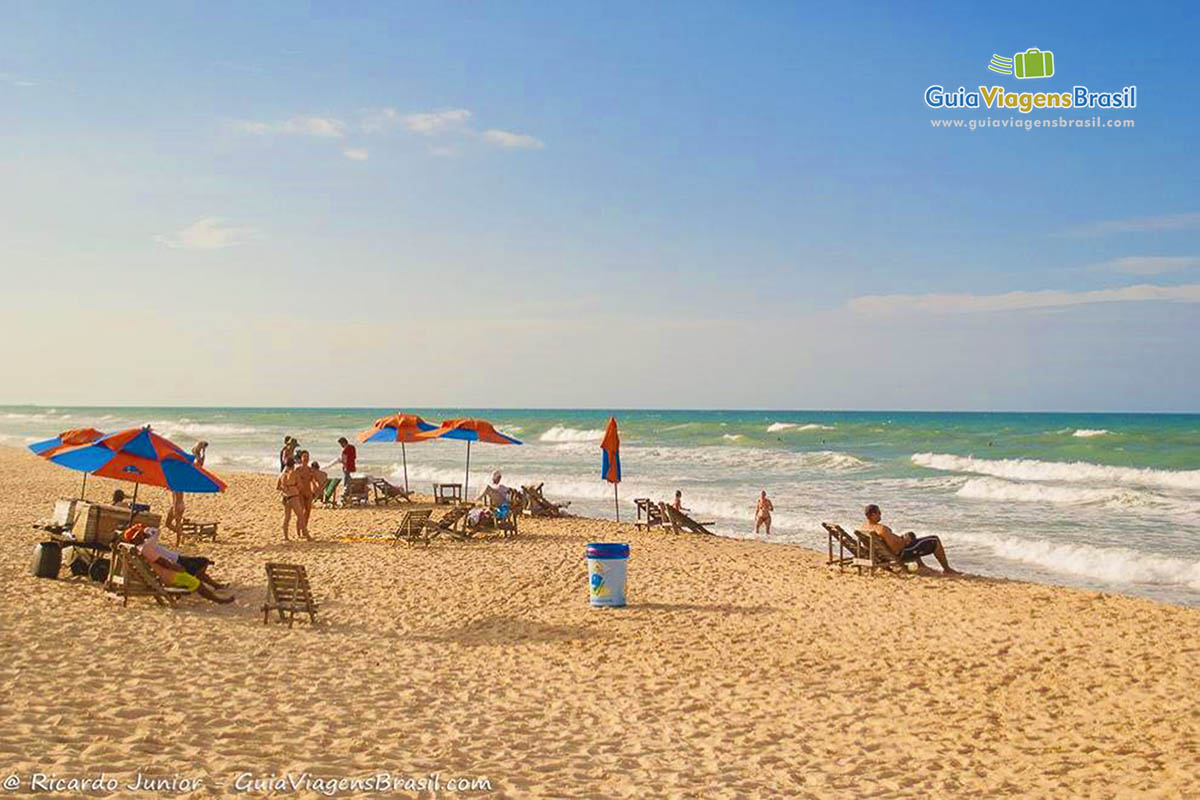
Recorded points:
(762, 513)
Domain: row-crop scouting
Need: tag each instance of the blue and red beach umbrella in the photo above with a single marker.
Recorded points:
(610, 464)
(468, 430)
(140, 456)
(400, 428)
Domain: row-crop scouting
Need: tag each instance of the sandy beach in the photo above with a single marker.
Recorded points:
(740, 669)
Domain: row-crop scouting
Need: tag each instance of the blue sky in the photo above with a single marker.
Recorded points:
(697, 205)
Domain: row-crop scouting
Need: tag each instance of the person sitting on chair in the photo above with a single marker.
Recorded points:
(173, 569)
(907, 547)
(494, 494)
(119, 498)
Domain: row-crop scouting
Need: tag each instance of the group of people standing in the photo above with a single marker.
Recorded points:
(301, 481)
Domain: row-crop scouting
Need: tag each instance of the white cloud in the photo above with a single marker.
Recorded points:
(1150, 265)
(208, 233)
(356, 153)
(1012, 301)
(319, 127)
(518, 140)
(16, 80)
(1164, 222)
(428, 122)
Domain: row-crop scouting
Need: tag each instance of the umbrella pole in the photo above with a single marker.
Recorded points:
(83, 488)
(133, 505)
(467, 479)
(616, 503)
(404, 457)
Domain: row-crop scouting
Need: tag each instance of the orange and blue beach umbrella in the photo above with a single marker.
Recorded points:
(397, 428)
(468, 430)
(610, 464)
(66, 439)
(143, 457)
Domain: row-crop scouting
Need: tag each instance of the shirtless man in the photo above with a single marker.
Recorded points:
(907, 547)
(304, 482)
(319, 479)
(762, 513)
(289, 491)
(287, 451)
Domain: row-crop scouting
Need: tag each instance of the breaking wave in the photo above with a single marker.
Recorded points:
(1115, 564)
(1087, 433)
(560, 433)
(776, 427)
(1064, 472)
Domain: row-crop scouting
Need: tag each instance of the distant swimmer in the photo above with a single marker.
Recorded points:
(762, 513)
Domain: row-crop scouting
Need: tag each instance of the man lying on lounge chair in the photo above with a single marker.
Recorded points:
(174, 569)
(907, 547)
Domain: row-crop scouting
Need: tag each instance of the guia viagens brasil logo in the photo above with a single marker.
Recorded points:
(1025, 65)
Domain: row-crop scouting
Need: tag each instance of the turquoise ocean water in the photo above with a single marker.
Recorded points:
(1104, 501)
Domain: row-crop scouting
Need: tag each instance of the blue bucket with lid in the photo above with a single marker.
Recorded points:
(606, 562)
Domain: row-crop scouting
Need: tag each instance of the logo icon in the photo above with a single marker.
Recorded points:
(1033, 63)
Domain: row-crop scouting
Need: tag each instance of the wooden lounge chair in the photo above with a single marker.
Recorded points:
(648, 513)
(357, 492)
(329, 493)
(130, 575)
(680, 521)
(199, 531)
(451, 523)
(847, 546)
(538, 506)
(388, 492)
(874, 554)
(413, 527)
(288, 593)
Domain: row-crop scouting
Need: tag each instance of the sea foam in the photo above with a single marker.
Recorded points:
(560, 433)
(1087, 433)
(1114, 564)
(1062, 471)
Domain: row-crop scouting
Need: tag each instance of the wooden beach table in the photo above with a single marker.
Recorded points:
(447, 493)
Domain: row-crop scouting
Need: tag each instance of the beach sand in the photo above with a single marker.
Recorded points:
(740, 669)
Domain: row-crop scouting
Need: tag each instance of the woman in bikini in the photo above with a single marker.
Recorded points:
(289, 489)
(762, 513)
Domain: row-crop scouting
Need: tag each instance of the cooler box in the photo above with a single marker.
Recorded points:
(47, 560)
(99, 523)
(64, 512)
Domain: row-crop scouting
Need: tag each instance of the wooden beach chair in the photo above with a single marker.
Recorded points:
(388, 492)
(413, 527)
(847, 546)
(130, 575)
(329, 493)
(874, 554)
(680, 521)
(507, 526)
(538, 506)
(198, 531)
(357, 493)
(648, 513)
(451, 523)
(288, 593)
